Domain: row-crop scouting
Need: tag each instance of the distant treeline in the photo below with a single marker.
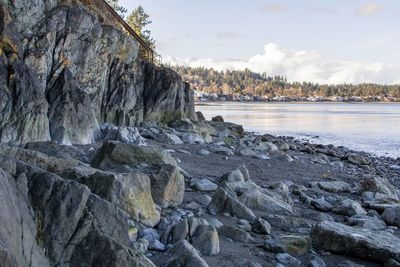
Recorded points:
(247, 82)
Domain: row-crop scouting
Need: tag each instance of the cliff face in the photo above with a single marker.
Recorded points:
(64, 72)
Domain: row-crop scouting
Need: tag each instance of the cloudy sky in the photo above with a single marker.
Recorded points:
(325, 41)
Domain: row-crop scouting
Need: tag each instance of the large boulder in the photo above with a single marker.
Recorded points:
(353, 241)
(112, 155)
(18, 231)
(129, 191)
(225, 200)
(167, 185)
(183, 254)
(392, 216)
(38, 159)
(383, 191)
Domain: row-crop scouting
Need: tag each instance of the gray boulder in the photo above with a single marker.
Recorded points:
(113, 154)
(206, 240)
(349, 207)
(167, 185)
(204, 185)
(234, 233)
(129, 191)
(341, 239)
(225, 200)
(183, 254)
(335, 186)
(392, 216)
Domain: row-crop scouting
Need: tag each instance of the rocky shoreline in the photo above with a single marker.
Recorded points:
(197, 193)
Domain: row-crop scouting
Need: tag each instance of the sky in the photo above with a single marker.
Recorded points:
(324, 41)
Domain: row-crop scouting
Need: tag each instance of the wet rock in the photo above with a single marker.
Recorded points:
(204, 185)
(321, 204)
(335, 186)
(261, 226)
(234, 233)
(183, 254)
(349, 207)
(341, 239)
(206, 240)
(167, 185)
(392, 216)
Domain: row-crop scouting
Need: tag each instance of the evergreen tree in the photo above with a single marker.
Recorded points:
(139, 20)
(120, 9)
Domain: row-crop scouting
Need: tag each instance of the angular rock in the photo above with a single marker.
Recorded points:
(341, 239)
(234, 233)
(349, 207)
(321, 204)
(183, 254)
(18, 232)
(127, 135)
(287, 259)
(129, 191)
(261, 226)
(225, 200)
(367, 222)
(358, 159)
(392, 216)
(335, 186)
(112, 155)
(167, 185)
(206, 240)
(295, 245)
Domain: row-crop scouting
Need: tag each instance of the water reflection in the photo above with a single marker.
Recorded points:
(373, 127)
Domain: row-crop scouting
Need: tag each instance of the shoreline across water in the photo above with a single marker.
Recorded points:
(371, 127)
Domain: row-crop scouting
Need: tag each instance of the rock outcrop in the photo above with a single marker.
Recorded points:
(67, 68)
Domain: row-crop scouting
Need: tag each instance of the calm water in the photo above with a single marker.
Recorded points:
(367, 127)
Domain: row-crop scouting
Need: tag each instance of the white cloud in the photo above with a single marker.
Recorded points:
(302, 66)
(275, 8)
(369, 9)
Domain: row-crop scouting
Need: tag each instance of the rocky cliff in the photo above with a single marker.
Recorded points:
(66, 69)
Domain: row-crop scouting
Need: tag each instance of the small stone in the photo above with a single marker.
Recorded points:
(392, 216)
(287, 260)
(205, 185)
(261, 226)
(204, 152)
(321, 204)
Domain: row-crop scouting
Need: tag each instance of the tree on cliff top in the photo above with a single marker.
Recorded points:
(138, 20)
(120, 9)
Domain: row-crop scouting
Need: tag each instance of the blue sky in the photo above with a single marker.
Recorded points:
(320, 41)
